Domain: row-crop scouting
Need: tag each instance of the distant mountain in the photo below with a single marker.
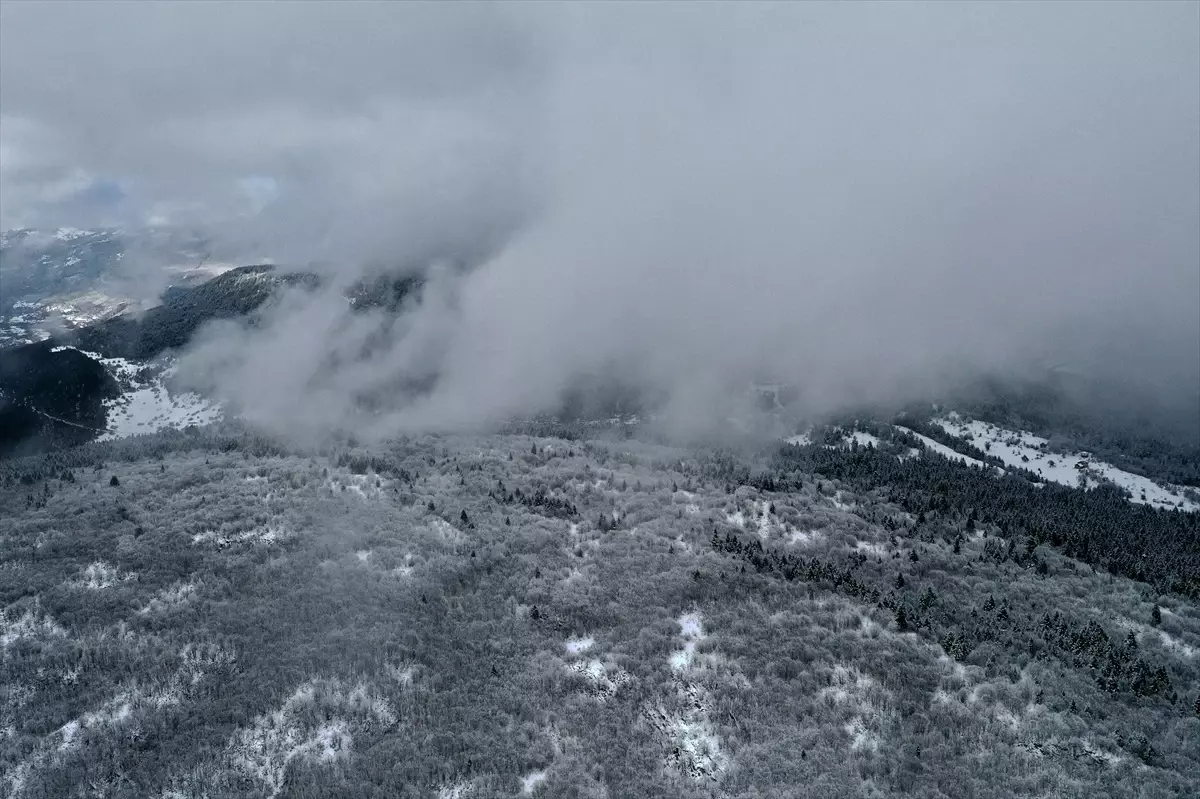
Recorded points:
(68, 278)
(172, 324)
(53, 395)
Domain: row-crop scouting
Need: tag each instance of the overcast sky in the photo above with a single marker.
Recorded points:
(860, 197)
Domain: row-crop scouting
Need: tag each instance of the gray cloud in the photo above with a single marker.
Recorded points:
(869, 200)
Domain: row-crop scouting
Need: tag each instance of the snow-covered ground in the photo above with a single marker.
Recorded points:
(150, 406)
(691, 630)
(530, 782)
(1025, 450)
(864, 439)
(944, 451)
(153, 407)
(576, 646)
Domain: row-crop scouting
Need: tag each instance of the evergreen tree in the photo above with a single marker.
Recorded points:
(1155, 613)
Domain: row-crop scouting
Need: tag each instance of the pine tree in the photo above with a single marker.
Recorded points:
(901, 619)
(535, 614)
(1155, 613)
(114, 481)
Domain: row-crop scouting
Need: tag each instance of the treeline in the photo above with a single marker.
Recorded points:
(172, 324)
(1099, 526)
(1115, 665)
(1142, 434)
(50, 399)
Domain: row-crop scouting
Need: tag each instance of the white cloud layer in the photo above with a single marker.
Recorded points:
(865, 199)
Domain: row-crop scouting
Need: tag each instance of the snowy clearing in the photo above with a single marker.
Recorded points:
(1027, 451)
(691, 631)
(944, 451)
(32, 624)
(576, 646)
(98, 576)
(531, 781)
(151, 406)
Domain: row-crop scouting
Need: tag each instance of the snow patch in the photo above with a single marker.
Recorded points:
(265, 750)
(1177, 646)
(32, 624)
(691, 630)
(946, 452)
(864, 439)
(168, 598)
(805, 537)
(849, 685)
(268, 534)
(861, 738)
(459, 790)
(604, 679)
(406, 568)
(576, 646)
(871, 548)
(531, 781)
(446, 531)
(362, 486)
(99, 576)
(692, 744)
(150, 406)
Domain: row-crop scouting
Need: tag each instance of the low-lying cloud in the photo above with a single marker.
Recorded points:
(869, 201)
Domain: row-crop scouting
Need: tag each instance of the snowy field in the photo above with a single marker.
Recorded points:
(150, 406)
(1025, 450)
(944, 451)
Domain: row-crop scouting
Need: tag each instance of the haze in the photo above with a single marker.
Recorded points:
(869, 200)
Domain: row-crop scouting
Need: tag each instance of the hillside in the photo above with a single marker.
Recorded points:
(207, 614)
(58, 392)
(235, 293)
(51, 398)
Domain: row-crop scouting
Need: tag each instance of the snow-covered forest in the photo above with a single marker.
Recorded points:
(206, 613)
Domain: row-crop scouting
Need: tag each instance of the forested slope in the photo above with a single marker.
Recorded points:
(209, 614)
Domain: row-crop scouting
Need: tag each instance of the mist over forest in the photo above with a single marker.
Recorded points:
(871, 203)
(721, 401)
